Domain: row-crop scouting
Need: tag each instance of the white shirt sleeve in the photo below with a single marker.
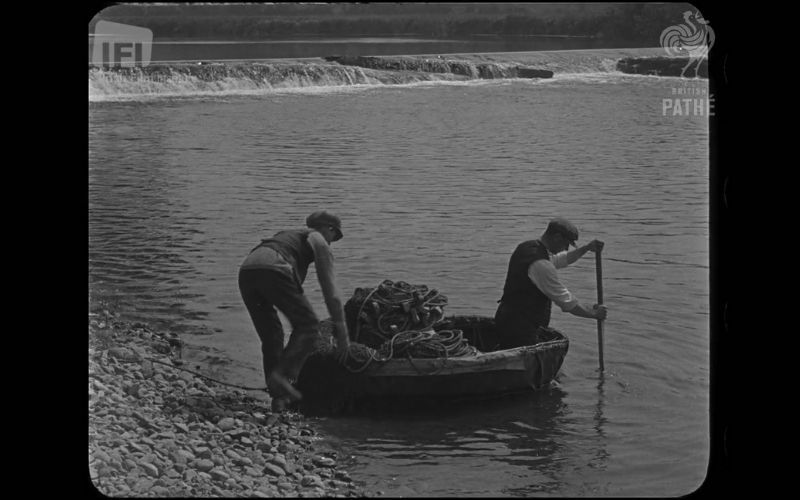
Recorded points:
(543, 274)
(559, 260)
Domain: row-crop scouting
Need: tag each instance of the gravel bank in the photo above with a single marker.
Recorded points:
(158, 431)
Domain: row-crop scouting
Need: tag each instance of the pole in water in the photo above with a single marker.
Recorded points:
(599, 268)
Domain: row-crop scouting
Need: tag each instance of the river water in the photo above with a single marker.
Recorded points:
(436, 183)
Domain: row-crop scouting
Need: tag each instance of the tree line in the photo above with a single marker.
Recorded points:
(635, 22)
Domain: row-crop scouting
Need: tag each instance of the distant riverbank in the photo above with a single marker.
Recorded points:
(639, 22)
(220, 48)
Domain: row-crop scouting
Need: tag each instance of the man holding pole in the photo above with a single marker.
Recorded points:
(532, 284)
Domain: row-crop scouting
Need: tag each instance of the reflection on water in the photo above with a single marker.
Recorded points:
(526, 437)
(600, 458)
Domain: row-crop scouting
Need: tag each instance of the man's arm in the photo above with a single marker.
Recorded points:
(543, 274)
(564, 259)
(598, 311)
(323, 262)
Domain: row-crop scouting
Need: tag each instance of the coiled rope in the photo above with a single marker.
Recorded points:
(396, 307)
(409, 345)
(399, 317)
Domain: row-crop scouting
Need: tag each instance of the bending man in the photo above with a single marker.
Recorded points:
(270, 278)
(532, 285)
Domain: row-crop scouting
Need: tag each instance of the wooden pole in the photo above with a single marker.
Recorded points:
(599, 268)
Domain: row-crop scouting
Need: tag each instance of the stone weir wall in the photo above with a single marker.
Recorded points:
(439, 64)
(258, 73)
(663, 66)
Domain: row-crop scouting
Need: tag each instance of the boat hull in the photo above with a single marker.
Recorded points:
(484, 374)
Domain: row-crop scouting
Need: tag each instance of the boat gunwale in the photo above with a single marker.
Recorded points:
(484, 361)
(512, 359)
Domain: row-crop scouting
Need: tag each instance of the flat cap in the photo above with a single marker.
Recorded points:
(322, 218)
(562, 226)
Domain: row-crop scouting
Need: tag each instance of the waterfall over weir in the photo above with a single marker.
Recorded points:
(186, 78)
(202, 78)
(179, 79)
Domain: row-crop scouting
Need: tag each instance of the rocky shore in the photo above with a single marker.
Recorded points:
(159, 430)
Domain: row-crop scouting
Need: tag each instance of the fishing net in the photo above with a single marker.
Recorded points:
(375, 315)
(396, 319)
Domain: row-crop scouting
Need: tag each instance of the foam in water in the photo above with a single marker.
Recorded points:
(185, 80)
(257, 78)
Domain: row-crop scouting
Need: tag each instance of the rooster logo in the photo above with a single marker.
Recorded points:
(689, 40)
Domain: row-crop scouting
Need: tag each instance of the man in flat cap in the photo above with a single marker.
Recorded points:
(270, 278)
(532, 285)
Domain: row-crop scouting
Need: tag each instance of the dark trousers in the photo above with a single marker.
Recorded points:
(515, 326)
(263, 290)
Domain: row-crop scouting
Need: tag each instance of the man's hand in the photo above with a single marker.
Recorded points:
(595, 246)
(342, 341)
(600, 311)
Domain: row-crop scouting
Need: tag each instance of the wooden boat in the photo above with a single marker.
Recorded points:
(490, 372)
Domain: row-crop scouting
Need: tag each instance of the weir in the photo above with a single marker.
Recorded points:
(191, 78)
(664, 66)
(220, 77)
(473, 70)
(334, 71)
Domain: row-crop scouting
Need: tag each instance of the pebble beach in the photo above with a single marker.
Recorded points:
(157, 429)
